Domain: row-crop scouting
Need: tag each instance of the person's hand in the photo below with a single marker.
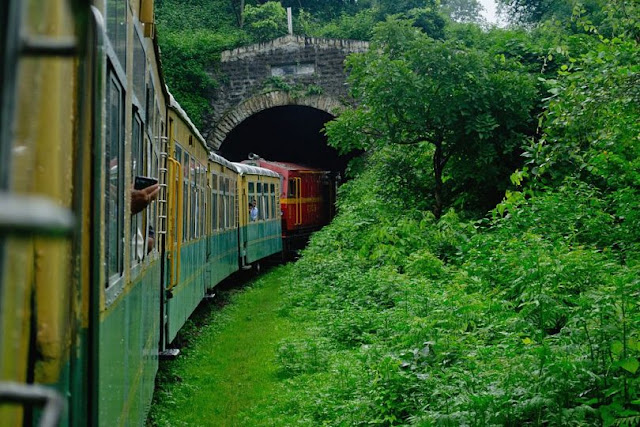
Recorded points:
(140, 199)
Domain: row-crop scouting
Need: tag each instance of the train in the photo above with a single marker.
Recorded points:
(307, 199)
(93, 291)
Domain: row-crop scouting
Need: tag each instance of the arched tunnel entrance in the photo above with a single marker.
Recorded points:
(290, 133)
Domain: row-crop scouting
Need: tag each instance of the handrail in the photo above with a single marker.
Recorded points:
(176, 206)
(29, 394)
(28, 215)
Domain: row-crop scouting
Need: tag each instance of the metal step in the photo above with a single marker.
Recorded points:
(169, 354)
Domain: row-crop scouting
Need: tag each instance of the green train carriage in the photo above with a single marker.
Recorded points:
(189, 239)
(260, 237)
(90, 294)
(47, 111)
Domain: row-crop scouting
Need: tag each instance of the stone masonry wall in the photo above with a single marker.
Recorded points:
(295, 59)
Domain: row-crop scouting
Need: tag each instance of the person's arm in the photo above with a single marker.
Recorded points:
(140, 199)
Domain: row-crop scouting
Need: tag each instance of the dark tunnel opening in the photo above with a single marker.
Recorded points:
(287, 134)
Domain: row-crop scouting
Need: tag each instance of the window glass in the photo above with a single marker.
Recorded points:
(178, 157)
(185, 196)
(252, 198)
(137, 168)
(272, 193)
(214, 202)
(114, 204)
(139, 68)
(194, 195)
(117, 28)
(234, 203)
(221, 201)
(261, 207)
(292, 188)
(201, 202)
(227, 218)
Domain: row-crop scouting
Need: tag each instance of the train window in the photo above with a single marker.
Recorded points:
(137, 168)
(139, 67)
(178, 156)
(214, 202)
(252, 197)
(193, 195)
(292, 188)
(200, 204)
(229, 208)
(234, 193)
(221, 201)
(150, 107)
(114, 206)
(273, 201)
(117, 28)
(185, 196)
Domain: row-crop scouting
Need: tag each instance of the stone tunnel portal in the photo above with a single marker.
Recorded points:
(289, 133)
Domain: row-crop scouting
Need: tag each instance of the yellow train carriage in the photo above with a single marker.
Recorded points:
(259, 225)
(188, 203)
(43, 163)
(126, 271)
(222, 245)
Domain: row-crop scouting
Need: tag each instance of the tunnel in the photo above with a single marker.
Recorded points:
(287, 134)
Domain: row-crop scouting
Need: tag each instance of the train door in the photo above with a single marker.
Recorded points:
(247, 194)
(295, 201)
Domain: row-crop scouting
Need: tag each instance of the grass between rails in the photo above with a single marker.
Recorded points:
(228, 364)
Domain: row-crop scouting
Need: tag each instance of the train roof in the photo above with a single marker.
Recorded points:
(244, 169)
(222, 161)
(283, 165)
(173, 104)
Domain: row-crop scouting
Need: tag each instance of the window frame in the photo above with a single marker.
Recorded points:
(113, 81)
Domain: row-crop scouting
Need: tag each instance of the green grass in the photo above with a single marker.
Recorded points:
(229, 364)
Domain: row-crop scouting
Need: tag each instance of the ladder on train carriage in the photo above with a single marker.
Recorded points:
(24, 215)
(162, 200)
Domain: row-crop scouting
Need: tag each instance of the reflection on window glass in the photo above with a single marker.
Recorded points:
(117, 28)
(273, 200)
(292, 188)
(221, 201)
(185, 196)
(193, 196)
(214, 202)
(137, 168)
(178, 157)
(139, 68)
(114, 176)
(227, 217)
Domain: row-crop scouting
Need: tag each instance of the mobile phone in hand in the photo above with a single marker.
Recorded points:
(141, 182)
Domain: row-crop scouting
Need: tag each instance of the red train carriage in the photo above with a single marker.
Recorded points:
(307, 199)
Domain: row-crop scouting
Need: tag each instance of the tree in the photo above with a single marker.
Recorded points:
(471, 107)
(463, 10)
(266, 22)
(238, 11)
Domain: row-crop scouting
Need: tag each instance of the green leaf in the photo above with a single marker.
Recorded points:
(630, 364)
(617, 348)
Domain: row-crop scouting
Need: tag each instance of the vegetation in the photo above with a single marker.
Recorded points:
(484, 268)
(226, 369)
